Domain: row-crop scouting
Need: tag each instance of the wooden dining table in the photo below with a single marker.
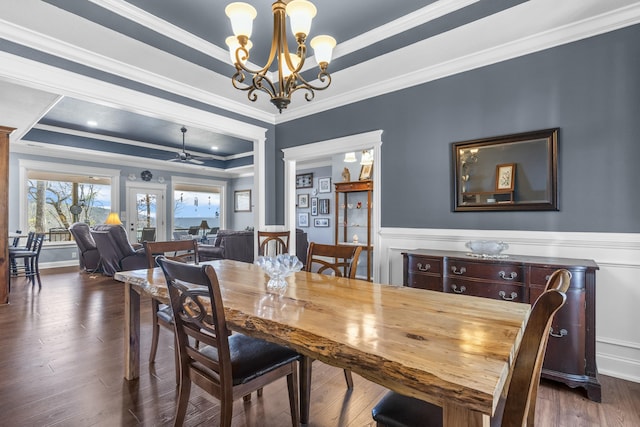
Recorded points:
(455, 351)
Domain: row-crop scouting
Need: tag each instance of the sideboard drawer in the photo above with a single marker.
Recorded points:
(538, 276)
(421, 264)
(500, 291)
(502, 272)
(424, 281)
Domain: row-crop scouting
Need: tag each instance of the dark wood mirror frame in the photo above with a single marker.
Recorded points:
(527, 162)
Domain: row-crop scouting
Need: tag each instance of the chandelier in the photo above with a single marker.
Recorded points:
(288, 78)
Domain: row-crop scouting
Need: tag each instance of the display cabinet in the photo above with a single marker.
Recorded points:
(353, 219)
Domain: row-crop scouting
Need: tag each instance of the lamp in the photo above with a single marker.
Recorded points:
(367, 157)
(113, 219)
(204, 226)
(350, 157)
(288, 78)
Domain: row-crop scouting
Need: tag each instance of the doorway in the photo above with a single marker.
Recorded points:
(146, 209)
(323, 149)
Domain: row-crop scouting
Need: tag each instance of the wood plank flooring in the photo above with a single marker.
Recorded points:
(61, 364)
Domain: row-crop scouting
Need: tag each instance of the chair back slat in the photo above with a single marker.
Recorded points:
(192, 291)
(338, 260)
(519, 407)
(273, 243)
(177, 250)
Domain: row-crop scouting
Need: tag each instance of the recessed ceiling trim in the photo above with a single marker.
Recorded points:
(537, 41)
(45, 77)
(80, 55)
(82, 154)
(131, 142)
(421, 16)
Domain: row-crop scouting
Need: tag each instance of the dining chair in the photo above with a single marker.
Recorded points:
(30, 256)
(226, 366)
(335, 260)
(148, 234)
(518, 401)
(273, 243)
(178, 250)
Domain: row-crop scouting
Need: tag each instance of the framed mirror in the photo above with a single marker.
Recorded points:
(507, 173)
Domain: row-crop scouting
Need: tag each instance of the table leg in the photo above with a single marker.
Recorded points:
(131, 332)
(454, 415)
(305, 388)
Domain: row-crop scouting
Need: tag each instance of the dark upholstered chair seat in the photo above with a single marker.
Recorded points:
(395, 410)
(251, 357)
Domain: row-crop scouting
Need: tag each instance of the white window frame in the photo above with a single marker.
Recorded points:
(181, 180)
(24, 165)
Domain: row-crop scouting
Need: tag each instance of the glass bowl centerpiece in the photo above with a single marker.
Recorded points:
(487, 248)
(278, 269)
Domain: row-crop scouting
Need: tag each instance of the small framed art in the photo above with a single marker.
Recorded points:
(314, 206)
(324, 185)
(242, 201)
(304, 180)
(303, 219)
(323, 207)
(505, 176)
(365, 172)
(321, 222)
(303, 201)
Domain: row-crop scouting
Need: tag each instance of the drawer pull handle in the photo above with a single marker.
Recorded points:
(455, 270)
(458, 291)
(504, 276)
(563, 332)
(425, 267)
(504, 296)
(547, 277)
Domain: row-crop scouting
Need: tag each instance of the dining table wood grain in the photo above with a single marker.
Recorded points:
(455, 351)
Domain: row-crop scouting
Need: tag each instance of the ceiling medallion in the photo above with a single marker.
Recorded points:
(288, 78)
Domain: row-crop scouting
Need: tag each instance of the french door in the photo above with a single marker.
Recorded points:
(146, 208)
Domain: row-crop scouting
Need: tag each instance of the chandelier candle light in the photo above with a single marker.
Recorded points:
(289, 80)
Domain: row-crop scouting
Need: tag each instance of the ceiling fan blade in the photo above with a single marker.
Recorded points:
(195, 161)
(174, 160)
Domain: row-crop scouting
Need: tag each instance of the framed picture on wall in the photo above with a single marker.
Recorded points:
(324, 185)
(323, 207)
(314, 206)
(303, 219)
(365, 172)
(321, 222)
(304, 180)
(505, 176)
(242, 201)
(303, 201)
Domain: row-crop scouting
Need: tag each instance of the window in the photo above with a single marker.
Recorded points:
(53, 199)
(193, 204)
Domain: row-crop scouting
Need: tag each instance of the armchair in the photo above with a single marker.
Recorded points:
(116, 252)
(89, 256)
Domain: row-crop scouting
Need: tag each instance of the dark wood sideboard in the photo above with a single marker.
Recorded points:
(570, 356)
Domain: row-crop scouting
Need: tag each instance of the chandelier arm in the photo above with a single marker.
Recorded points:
(322, 76)
(257, 80)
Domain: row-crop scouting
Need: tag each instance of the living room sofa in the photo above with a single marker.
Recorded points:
(238, 245)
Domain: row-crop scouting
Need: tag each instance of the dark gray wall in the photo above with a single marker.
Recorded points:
(589, 89)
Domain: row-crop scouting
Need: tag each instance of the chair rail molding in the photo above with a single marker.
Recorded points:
(617, 254)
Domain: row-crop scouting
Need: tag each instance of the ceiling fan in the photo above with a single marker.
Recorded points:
(184, 157)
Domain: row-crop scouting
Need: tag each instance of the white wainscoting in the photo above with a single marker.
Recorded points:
(617, 281)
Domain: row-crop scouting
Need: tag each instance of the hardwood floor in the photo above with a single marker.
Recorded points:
(62, 365)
